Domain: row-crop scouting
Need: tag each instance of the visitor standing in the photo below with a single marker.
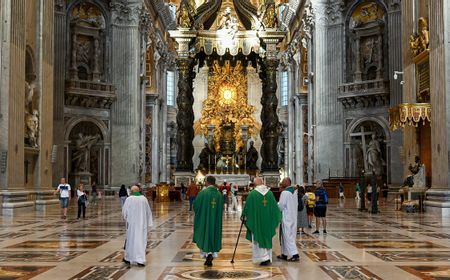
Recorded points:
(358, 192)
(183, 191)
(310, 205)
(385, 191)
(341, 191)
(288, 205)
(138, 217)
(369, 193)
(262, 216)
(225, 189)
(192, 194)
(123, 194)
(94, 193)
(234, 202)
(82, 201)
(320, 211)
(64, 196)
(302, 219)
(208, 209)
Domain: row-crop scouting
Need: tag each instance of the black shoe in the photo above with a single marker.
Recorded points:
(316, 232)
(282, 257)
(294, 258)
(265, 263)
(209, 260)
(309, 226)
(324, 231)
(140, 264)
(125, 261)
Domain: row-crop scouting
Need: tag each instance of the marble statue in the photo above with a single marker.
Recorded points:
(418, 175)
(252, 157)
(83, 146)
(228, 24)
(184, 17)
(32, 128)
(374, 159)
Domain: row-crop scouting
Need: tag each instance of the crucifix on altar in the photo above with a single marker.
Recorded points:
(363, 135)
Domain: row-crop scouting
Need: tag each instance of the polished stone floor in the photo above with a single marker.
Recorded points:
(390, 245)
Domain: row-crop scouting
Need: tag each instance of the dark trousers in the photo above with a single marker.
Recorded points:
(81, 206)
(191, 202)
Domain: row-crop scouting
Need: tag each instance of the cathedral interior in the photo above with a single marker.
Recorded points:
(162, 93)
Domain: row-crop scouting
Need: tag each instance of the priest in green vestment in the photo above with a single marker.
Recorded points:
(262, 217)
(208, 209)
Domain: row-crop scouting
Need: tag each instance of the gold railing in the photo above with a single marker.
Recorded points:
(409, 114)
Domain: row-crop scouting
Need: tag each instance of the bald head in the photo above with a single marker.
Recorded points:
(258, 181)
(134, 188)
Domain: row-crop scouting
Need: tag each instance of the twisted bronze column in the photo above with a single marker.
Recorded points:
(185, 116)
(271, 126)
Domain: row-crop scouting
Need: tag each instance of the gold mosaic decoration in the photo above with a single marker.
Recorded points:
(227, 103)
(368, 11)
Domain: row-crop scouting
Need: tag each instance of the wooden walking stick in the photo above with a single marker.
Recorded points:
(237, 241)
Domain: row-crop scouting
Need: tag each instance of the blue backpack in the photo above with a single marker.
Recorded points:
(323, 197)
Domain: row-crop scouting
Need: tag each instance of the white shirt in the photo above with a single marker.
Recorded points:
(64, 190)
(369, 189)
(80, 193)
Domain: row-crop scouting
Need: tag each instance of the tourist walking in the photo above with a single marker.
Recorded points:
(302, 218)
(208, 209)
(192, 194)
(341, 191)
(288, 205)
(64, 196)
(261, 216)
(234, 202)
(310, 205)
(94, 193)
(369, 193)
(320, 211)
(183, 191)
(138, 217)
(123, 194)
(82, 201)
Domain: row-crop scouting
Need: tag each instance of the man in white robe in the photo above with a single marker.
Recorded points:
(288, 205)
(138, 216)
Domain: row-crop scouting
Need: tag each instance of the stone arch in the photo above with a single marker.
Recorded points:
(356, 122)
(75, 121)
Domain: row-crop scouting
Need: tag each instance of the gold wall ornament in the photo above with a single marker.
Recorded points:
(227, 104)
(409, 114)
(419, 42)
(184, 18)
(367, 11)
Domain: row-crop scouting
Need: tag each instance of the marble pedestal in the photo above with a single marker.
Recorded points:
(438, 202)
(235, 179)
(271, 179)
(81, 177)
(14, 202)
(44, 199)
(183, 177)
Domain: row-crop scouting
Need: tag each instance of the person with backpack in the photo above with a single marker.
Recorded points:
(320, 211)
(302, 217)
(310, 204)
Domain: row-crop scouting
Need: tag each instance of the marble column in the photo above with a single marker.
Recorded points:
(60, 53)
(156, 159)
(396, 91)
(164, 139)
(327, 115)
(298, 141)
(438, 197)
(126, 120)
(290, 141)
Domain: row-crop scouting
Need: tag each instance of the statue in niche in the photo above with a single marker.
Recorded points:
(374, 160)
(206, 157)
(368, 51)
(83, 146)
(184, 17)
(418, 176)
(252, 157)
(32, 128)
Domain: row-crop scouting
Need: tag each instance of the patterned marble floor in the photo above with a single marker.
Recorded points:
(391, 245)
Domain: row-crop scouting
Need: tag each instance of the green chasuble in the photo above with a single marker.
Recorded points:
(262, 217)
(208, 208)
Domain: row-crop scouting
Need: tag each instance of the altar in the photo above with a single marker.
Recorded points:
(235, 179)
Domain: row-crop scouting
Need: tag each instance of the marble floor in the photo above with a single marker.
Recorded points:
(390, 245)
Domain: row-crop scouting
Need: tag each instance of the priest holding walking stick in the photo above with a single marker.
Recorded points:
(262, 216)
